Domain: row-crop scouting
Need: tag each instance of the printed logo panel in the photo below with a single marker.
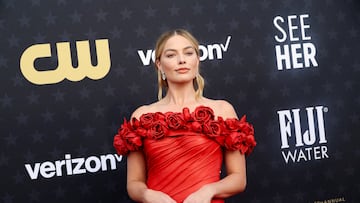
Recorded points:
(65, 69)
(306, 143)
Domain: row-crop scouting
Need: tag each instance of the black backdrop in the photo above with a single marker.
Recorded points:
(47, 129)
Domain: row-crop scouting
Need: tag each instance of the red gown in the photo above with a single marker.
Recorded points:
(184, 151)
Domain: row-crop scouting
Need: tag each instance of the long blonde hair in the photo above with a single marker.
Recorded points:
(198, 81)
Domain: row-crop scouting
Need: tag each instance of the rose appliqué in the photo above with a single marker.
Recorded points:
(126, 139)
(203, 114)
(146, 120)
(158, 129)
(232, 133)
(212, 128)
(175, 120)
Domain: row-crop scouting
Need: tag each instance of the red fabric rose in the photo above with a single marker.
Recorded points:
(135, 123)
(232, 124)
(240, 141)
(196, 126)
(234, 140)
(158, 130)
(186, 113)
(212, 129)
(242, 119)
(120, 145)
(241, 135)
(175, 120)
(146, 120)
(124, 128)
(246, 128)
(133, 141)
(250, 143)
(126, 139)
(141, 132)
(220, 139)
(203, 114)
(159, 116)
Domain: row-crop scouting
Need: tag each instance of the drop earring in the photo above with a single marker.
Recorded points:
(163, 76)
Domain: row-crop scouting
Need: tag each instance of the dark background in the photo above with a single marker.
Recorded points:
(41, 123)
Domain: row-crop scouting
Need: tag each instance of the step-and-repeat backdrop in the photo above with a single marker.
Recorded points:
(72, 70)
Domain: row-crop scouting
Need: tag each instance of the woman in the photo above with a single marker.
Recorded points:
(176, 145)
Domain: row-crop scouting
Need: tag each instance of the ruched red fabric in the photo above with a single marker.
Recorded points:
(180, 165)
(183, 150)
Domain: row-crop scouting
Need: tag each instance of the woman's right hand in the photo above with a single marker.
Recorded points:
(154, 196)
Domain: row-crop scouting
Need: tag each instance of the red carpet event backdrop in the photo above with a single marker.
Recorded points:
(72, 70)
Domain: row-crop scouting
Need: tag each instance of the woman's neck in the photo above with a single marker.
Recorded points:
(180, 95)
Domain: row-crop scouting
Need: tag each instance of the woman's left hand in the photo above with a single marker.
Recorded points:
(203, 195)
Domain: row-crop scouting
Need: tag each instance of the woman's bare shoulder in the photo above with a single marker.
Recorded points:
(221, 107)
(153, 107)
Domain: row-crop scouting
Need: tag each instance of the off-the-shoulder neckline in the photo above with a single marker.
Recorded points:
(216, 117)
(180, 111)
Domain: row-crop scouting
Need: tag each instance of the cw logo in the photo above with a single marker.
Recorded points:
(65, 68)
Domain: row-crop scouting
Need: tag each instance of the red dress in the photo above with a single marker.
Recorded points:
(184, 150)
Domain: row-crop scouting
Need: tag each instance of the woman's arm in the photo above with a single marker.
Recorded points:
(136, 176)
(136, 169)
(235, 181)
(235, 164)
(136, 182)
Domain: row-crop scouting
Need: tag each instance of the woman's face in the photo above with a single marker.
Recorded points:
(178, 60)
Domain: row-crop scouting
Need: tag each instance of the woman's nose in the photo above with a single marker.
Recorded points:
(181, 59)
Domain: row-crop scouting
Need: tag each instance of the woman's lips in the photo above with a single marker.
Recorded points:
(182, 70)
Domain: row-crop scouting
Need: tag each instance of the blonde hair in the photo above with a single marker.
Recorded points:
(198, 81)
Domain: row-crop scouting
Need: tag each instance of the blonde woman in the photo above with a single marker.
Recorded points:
(176, 146)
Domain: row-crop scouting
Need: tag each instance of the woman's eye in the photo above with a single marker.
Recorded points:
(189, 53)
(170, 55)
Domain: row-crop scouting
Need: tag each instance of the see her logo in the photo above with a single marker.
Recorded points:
(298, 51)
